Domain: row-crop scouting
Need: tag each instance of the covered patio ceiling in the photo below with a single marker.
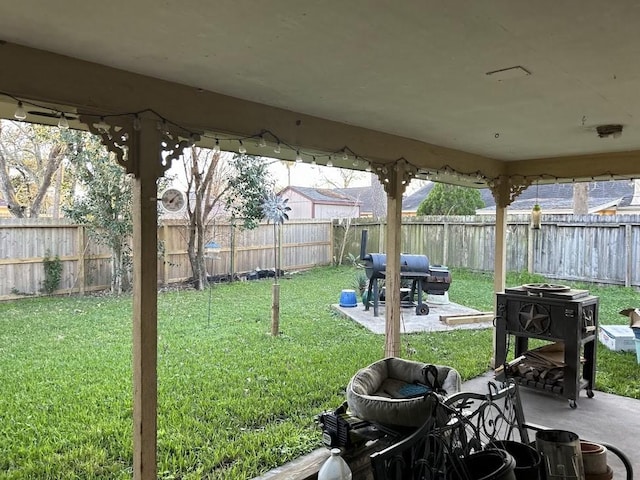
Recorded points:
(384, 80)
(500, 93)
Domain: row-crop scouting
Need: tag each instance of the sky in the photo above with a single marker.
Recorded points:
(306, 175)
(301, 175)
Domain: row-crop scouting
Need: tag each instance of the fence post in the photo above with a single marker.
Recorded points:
(530, 249)
(81, 250)
(445, 246)
(628, 235)
(332, 241)
(232, 245)
(165, 260)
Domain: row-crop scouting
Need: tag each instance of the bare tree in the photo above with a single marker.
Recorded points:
(30, 155)
(204, 171)
(220, 184)
(345, 178)
(288, 165)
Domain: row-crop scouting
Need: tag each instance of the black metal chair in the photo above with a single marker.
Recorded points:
(463, 424)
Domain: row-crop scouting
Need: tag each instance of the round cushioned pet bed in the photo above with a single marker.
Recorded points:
(394, 391)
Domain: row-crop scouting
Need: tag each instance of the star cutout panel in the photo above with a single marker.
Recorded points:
(534, 318)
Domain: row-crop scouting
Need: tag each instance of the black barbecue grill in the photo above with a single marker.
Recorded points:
(434, 279)
(414, 268)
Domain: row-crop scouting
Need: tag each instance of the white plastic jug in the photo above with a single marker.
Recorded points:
(335, 468)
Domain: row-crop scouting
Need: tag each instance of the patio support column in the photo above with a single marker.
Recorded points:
(154, 146)
(145, 309)
(504, 192)
(395, 180)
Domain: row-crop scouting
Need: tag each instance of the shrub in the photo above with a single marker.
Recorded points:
(52, 273)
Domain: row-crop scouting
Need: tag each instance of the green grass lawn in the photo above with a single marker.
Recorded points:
(234, 402)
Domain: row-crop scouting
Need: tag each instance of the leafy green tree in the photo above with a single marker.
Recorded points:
(103, 205)
(220, 185)
(249, 185)
(444, 199)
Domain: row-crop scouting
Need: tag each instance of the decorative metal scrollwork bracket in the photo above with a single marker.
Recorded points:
(117, 134)
(120, 136)
(388, 175)
(506, 189)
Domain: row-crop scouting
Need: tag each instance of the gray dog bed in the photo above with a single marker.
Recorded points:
(394, 391)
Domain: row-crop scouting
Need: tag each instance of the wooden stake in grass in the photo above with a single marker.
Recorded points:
(275, 310)
(275, 209)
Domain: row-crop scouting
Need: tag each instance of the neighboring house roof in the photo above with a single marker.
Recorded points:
(323, 195)
(359, 194)
(552, 197)
(558, 197)
(410, 203)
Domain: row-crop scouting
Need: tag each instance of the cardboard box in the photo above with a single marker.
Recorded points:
(617, 338)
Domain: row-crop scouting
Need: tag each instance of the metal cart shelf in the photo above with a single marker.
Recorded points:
(555, 314)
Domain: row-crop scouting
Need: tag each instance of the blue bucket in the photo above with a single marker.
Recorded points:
(638, 350)
(348, 298)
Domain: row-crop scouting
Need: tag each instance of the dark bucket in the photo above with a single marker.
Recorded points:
(528, 461)
(491, 464)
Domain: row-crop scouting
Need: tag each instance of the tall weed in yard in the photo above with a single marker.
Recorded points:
(233, 400)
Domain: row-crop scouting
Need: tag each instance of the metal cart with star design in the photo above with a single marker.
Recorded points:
(554, 313)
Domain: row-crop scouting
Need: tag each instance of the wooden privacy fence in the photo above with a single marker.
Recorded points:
(304, 244)
(86, 265)
(593, 248)
(24, 243)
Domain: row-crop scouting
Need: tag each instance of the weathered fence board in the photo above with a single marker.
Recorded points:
(591, 248)
(87, 265)
(604, 249)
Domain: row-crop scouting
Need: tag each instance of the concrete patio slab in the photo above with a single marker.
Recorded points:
(605, 418)
(410, 322)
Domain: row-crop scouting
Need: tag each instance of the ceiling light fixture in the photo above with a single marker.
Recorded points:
(102, 126)
(63, 123)
(612, 130)
(20, 113)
